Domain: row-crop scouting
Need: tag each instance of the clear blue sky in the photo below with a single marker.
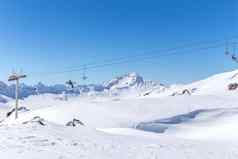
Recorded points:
(53, 35)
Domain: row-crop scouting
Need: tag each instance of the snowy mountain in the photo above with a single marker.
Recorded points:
(25, 90)
(128, 81)
(130, 84)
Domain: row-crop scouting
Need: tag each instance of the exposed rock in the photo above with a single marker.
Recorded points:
(20, 109)
(232, 86)
(75, 123)
(184, 92)
(146, 94)
(37, 120)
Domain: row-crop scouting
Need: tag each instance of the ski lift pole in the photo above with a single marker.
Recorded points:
(17, 101)
(227, 52)
(84, 73)
(16, 78)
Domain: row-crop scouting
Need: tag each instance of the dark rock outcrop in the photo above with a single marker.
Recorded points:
(75, 123)
(37, 120)
(232, 86)
(20, 109)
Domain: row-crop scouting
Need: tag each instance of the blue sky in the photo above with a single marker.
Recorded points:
(48, 36)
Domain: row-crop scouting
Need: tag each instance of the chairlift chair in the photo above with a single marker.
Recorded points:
(70, 83)
(84, 77)
(234, 58)
(227, 52)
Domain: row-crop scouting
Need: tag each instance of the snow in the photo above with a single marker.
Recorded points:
(54, 141)
(163, 124)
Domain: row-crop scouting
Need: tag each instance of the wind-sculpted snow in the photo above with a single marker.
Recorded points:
(161, 125)
(218, 124)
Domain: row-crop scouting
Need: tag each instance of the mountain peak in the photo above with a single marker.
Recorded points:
(129, 80)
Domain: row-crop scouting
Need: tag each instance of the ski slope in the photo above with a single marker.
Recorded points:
(200, 125)
(54, 141)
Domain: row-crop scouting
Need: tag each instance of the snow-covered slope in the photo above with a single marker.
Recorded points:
(109, 128)
(216, 84)
(223, 83)
(195, 123)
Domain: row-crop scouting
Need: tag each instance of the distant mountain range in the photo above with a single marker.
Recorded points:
(131, 82)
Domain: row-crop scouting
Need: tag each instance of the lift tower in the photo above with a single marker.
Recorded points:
(16, 77)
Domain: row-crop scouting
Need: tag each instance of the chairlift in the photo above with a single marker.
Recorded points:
(234, 58)
(84, 77)
(70, 83)
(227, 52)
